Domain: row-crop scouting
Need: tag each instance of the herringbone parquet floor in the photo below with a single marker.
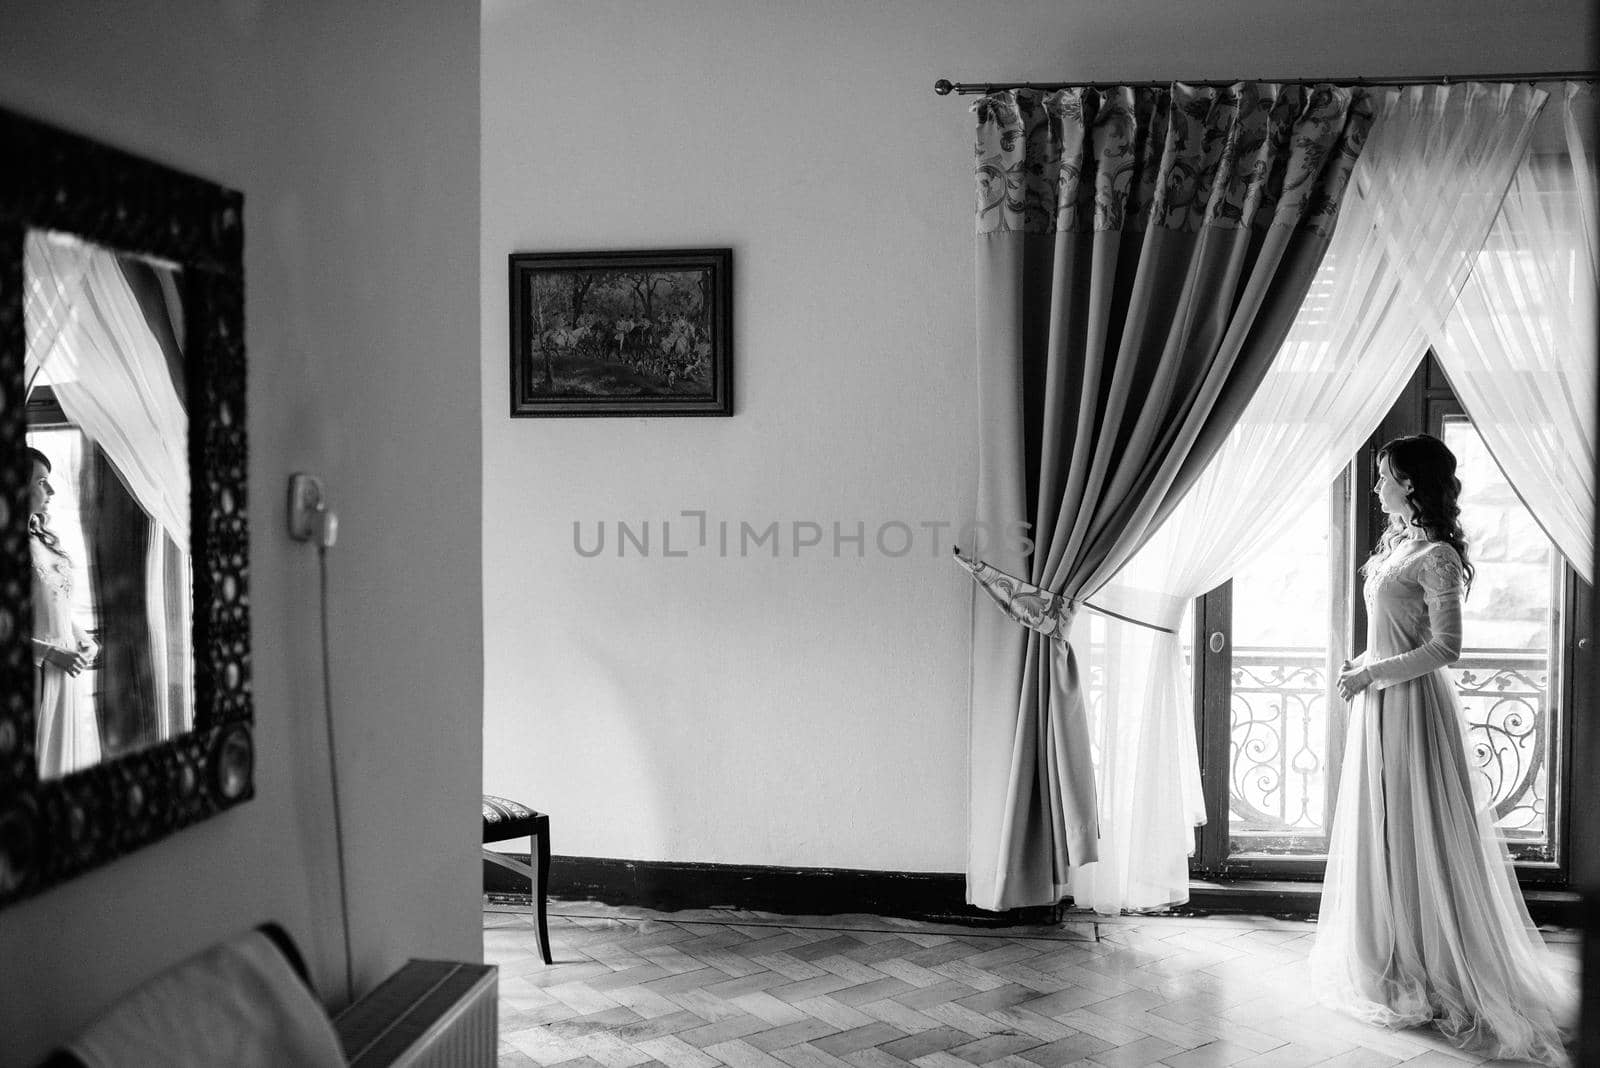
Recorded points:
(753, 990)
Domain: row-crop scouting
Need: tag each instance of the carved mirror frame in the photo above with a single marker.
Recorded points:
(54, 829)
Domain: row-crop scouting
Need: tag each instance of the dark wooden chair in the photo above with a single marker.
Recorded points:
(503, 820)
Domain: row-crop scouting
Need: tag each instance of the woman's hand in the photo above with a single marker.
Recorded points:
(72, 661)
(89, 648)
(1352, 680)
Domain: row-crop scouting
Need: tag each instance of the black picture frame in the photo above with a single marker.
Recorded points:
(622, 333)
(54, 829)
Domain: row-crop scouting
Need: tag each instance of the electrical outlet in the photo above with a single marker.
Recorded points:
(306, 505)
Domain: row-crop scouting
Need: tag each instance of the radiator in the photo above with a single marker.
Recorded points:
(429, 1014)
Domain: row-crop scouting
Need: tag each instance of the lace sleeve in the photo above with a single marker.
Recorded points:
(1439, 575)
(1439, 572)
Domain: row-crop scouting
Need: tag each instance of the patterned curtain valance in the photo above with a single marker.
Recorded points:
(1253, 154)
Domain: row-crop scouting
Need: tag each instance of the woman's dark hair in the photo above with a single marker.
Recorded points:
(36, 528)
(1429, 465)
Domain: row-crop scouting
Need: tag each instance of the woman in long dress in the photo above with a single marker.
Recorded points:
(1422, 921)
(67, 737)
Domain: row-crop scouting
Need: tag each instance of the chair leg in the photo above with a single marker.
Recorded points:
(542, 866)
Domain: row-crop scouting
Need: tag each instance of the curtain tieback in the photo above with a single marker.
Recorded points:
(1036, 608)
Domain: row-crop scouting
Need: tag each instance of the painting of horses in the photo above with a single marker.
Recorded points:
(622, 333)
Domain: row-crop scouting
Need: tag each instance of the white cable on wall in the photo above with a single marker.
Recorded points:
(333, 776)
(309, 516)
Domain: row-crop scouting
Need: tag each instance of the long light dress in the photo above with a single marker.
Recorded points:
(68, 737)
(1421, 918)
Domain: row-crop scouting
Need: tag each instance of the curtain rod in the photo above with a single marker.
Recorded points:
(944, 87)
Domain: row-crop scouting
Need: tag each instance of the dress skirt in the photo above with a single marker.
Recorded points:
(1422, 920)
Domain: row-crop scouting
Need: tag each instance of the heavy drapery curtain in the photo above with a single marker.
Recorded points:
(1518, 344)
(1140, 257)
(89, 338)
(1421, 200)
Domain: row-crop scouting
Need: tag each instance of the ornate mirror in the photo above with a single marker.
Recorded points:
(124, 629)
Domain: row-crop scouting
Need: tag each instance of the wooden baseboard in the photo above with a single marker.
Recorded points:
(1300, 899)
(670, 886)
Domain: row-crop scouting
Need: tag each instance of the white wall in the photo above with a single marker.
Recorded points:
(810, 710)
(354, 138)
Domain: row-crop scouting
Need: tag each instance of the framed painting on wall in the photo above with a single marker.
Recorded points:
(622, 333)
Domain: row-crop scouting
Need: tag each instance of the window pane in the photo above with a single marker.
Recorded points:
(1508, 669)
(1278, 760)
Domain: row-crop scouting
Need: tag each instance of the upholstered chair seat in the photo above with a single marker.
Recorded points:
(503, 820)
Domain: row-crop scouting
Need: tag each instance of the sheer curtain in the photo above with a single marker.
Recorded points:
(1421, 200)
(1518, 345)
(109, 373)
(88, 337)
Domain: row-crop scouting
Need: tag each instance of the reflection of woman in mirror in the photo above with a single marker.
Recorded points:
(68, 738)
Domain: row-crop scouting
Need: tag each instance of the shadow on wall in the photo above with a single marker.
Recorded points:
(570, 731)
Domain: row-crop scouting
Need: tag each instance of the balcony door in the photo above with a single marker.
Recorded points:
(1266, 649)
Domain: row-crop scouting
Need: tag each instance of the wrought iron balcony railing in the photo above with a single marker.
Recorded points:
(1286, 733)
